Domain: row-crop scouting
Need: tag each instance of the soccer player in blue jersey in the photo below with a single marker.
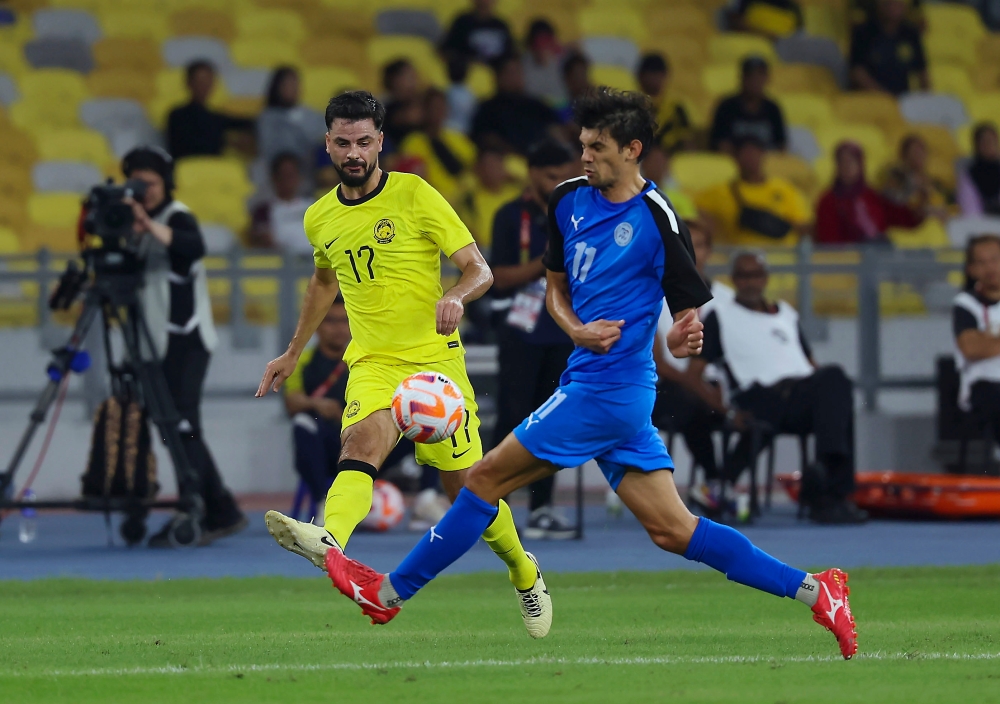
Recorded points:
(616, 249)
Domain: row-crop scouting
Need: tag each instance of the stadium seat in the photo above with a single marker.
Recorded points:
(959, 22)
(181, 51)
(13, 213)
(12, 59)
(481, 81)
(802, 143)
(985, 107)
(246, 82)
(135, 23)
(423, 55)
(409, 22)
(871, 139)
(65, 176)
(685, 19)
(952, 80)
(9, 244)
(255, 23)
(321, 84)
(718, 80)
(827, 21)
(683, 52)
(122, 83)
(611, 51)
(60, 237)
(219, 174)
(802, 78)
(697, 171)
(795, 170)
(940, 142)
(264, 53)
(809, 109)
(58, 88)
(613, 76)
(734, 47)
(17, 149)
(817, 51)
(9, 94)
(218, 239)
(943, 48)
(878, 109)
(60, 52)
(74, 145)
(132, 53)
(943, 110)
(78, 24)
(124, 123)
(54, 209)
(203, 22)
(15, 183)
(620, 22)
(346, 52)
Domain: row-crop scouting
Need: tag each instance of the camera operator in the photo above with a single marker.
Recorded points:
(179, 315)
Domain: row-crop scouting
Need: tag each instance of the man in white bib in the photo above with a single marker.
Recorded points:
(772, 377)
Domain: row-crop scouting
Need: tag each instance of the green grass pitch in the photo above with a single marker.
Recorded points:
(926, 635)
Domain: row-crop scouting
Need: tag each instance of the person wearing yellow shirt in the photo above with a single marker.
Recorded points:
(447, 154)
(755, 210)
(674, 129)
(492, 188)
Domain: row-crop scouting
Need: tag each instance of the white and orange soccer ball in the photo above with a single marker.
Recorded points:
(428, 407)
(387, 507)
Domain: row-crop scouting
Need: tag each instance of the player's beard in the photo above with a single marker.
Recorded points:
(355, 181)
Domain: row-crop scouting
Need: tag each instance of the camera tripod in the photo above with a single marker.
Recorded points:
(114, 296)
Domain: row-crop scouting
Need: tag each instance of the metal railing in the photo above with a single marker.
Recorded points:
(870, 265)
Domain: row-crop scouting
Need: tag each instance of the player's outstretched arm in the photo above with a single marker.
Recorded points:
(597, 336)
(476, 280)
(686, 336)
(322, 289)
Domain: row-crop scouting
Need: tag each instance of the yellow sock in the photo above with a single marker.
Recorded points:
(501, 536)
(347, 503)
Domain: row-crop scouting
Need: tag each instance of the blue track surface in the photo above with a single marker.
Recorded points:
(75, 545)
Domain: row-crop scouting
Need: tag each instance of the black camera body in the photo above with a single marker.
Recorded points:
(109, 217)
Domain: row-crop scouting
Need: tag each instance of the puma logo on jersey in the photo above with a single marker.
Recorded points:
(576, 222)
(435, 534)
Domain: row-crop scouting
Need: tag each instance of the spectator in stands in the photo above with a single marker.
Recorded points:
(862, 11)
(773, 19)
(511, 120)
(909, 184)
(691, 404)
(533, 349)
(478, 35)
(543, 64)
(773, 377)
(286, 126)
(195, 130)
(492, 187)
(755, 209)
(749, 113)
(403, 103)
(887, 53)
(674, 127)
(976, 323)
(576, 78)
(448, 155)
(979, 184)
(461, 101)
(277, 222)
(850, 211)
(656, 168)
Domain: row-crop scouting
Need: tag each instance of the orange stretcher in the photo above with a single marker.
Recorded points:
(910, 494)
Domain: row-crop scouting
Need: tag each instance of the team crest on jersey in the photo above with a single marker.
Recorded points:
(353, 408)
(385, 230)
(623, 234)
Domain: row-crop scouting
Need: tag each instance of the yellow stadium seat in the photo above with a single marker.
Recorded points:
(802, 78)
(878, 109)
(613, 76)
(135, 23)
(481, 81)
(263, 52)
(620, 22)
(345, 52)
(131, 53)
(720, 79)
(54, 209)
(734, 47)
(74, 145)
(953, 80)
(12, 59)
(217, 210)
(826, 20)
(984, 107)
(15, 182)
(988, 49)
(266, 24)
(204, 22)
(682, 52)
(17, 149)
(53, 87)
(942, 48)
(958, 21)
(940, 142)
(219, 174)
(9, 244)
(321, 84)
(57, 238)
(697, 171)
(684, 19)
(423, 55)
(807, 109)
(33, 117)
(794, 169)
(13, 213)
(122, 83)
(871, 139)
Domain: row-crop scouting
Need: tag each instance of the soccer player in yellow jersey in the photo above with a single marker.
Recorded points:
(377, 238)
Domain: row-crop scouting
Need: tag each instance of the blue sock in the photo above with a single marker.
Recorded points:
(730, 552)
(452, 537)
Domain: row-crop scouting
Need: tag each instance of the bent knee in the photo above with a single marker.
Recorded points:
(673, 537)
(480, 478)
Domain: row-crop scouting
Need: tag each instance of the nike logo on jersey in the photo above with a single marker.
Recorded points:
(576, 222)
(837, 604)
(329, 244)
(435, 534)
(455, 456)
(361, 600)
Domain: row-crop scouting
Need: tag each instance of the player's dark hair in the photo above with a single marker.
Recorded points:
(355, 106)
(198, 65)
(625, 115)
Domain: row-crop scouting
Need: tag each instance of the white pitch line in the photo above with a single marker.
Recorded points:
(414, 665)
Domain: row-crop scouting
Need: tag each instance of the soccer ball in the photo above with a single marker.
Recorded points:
(428, 407)
(387, 507)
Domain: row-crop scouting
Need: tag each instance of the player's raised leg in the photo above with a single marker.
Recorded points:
(653, 499)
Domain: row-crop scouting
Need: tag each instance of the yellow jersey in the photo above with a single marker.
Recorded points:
(385, 249)
(774, 195)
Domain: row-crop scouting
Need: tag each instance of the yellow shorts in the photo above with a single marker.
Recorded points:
(371, 385)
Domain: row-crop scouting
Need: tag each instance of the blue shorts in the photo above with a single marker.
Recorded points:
(609, 423)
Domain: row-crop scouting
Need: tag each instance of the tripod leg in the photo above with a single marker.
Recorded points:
(58, 368)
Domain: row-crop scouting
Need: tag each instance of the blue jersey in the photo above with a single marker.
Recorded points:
(621, 260)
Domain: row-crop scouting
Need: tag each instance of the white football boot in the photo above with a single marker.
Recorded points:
(536, 605)
(305, 539)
